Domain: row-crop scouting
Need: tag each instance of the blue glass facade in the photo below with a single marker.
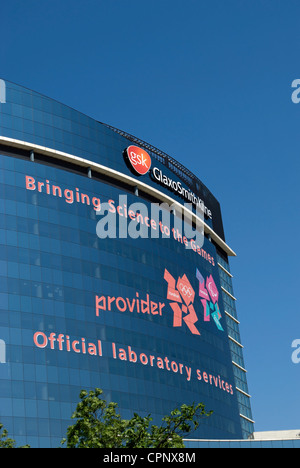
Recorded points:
(77, 311)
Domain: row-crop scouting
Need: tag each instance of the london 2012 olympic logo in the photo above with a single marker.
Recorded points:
(186, 291)
(209, 296)
(182, 297)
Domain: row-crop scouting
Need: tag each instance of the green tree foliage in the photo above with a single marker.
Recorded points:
(98, 425)
(5, 441)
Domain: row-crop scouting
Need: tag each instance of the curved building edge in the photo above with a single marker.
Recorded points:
(118, 176)
(90, 166)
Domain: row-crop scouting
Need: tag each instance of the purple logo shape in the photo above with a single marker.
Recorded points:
(209, 299)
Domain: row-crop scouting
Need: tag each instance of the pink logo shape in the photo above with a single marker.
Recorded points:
(210, 297)
(212, 289)
(186, 292)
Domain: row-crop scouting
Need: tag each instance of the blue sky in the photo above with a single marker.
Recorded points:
(208, 82)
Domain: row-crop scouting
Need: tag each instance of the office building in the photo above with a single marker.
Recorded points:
(102, 285)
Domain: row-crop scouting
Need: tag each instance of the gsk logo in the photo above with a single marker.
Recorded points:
(139, 159)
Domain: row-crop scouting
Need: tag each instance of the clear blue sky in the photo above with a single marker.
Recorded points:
(208, 82)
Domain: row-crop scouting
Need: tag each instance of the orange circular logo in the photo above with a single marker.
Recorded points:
(139, 159)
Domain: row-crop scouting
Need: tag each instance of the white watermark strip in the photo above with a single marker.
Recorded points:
(137, 221)
(2, 92)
